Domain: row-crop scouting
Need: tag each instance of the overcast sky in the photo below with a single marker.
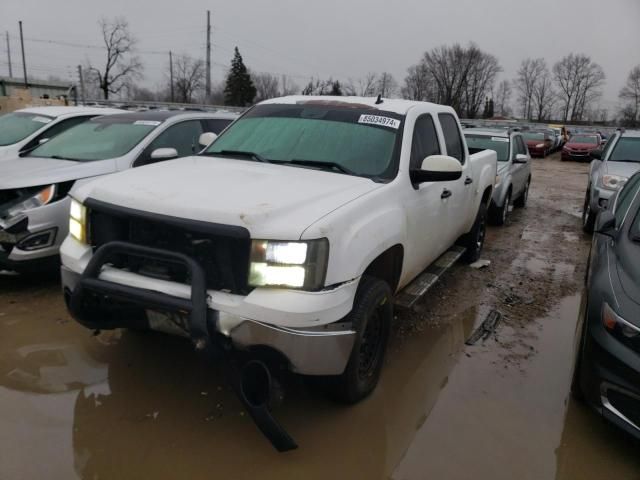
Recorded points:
(340, 38)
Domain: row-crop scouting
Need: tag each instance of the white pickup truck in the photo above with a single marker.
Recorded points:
(290, 237)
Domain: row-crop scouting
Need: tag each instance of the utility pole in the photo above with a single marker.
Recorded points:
(9, 56)
(82, 91)
(208, 82)
(24, 64)
(171, 74)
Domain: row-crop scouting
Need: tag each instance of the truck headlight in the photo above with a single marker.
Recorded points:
(301, 265)
(41, 198)
(78, 221)
(613, 182)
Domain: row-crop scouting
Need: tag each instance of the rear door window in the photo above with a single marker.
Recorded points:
(182, 136)
(425, 141)
(452, 136)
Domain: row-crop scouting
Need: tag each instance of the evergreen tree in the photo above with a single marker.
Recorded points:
(336, 89)
(490, 109)
(239, 90)
(485, 112)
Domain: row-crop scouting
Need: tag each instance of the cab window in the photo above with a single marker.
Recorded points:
(425, 141)
(452, 137)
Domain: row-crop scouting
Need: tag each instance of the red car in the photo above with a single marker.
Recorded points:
(579, 147)
(540, 144)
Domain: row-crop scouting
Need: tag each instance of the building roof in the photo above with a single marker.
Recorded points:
(34, 82)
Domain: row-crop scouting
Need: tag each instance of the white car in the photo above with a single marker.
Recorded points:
(34, 207)
(288, 239)
(25, 129)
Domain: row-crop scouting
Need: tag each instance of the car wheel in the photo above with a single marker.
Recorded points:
(500, 215)
(371, 318)
(522, 200)
(588, 218)
(474, 240)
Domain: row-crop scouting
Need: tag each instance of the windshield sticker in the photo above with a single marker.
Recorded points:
(380, 121)
(499, 139)
(41, 119)
(149, 123)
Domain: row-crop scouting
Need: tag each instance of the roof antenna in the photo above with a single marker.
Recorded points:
(379, 100)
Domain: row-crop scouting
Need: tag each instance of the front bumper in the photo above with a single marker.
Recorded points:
(302, 326)
(612, 379)
(576, 156)
(50, 221)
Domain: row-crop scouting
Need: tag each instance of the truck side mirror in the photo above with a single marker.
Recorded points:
(164, 154)
(206, 139)
(437, 168)
(606, 223)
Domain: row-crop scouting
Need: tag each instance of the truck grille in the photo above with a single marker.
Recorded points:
(221, 250)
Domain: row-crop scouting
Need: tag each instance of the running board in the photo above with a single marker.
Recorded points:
(427, 279)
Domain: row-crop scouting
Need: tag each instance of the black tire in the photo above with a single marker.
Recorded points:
(474, 240)
(371, 316)
(500, 215)
(522, 200)
(588, 218)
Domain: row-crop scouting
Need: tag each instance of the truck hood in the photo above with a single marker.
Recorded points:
(34, 171)
(624, 169)
(271, 201)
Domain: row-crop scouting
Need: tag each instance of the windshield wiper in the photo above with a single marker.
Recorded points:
(240, 153)
(58, 157)
(322, 164)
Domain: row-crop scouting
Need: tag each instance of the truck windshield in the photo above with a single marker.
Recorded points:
(483, 142)
(97, 139)
(626, 150)
(342, 139)
(19, 125)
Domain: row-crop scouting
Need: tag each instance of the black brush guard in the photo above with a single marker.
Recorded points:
(201, 325)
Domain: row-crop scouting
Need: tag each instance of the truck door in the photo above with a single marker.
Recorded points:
(426, 237)
(457, 195)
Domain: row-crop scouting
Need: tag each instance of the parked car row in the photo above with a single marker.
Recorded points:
(283, 244)
(607, 367)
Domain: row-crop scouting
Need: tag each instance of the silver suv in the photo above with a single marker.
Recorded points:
(610, 169)
(514, 168)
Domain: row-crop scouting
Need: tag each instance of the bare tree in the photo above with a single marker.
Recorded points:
(386, 85)
(543, 95)
(579, 82)
(188, 77)
(480, 80)
(462, 77)
(503, 98)
(121, 64)
(531, 69)
(362, 87)
(419, 84)
(630, 94)
(267, 85)
(287, 86)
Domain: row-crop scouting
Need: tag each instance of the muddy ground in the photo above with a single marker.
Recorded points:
(123, 405)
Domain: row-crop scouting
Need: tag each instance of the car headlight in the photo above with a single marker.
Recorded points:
(78, 221)
(301, 265)
(540, 145)
(613, 182)
(617, 325)
(41, 198)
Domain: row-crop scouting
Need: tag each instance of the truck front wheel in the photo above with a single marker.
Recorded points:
(371, 317)
(474, 240)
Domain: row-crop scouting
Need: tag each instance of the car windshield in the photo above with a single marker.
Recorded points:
(584, 139)
(626, 150)
(340, 137)
(19, 125)
(97, 139)
(533, 136)
(498, 144)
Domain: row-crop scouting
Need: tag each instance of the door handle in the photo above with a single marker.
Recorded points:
(446, 194)
(468, 181)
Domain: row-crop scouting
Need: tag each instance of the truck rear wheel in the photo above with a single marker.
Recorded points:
(474, 240)
(371, 317)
